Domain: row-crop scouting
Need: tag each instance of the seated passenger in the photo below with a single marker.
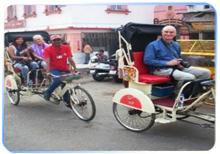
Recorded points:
(20, 57)
(37, 50)
(163, 56)
(101, 56)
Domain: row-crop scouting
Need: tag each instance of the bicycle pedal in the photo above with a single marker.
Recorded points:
(57, 102)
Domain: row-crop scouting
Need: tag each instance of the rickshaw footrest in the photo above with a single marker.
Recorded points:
(164, 120)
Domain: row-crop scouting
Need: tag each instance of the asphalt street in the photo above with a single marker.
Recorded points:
(37, 125)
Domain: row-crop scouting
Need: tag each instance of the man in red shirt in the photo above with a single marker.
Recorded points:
(56, 57)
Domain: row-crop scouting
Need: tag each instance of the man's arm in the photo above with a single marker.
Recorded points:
(178, 49)
(72, 63)
(150, 57)
(69, 57)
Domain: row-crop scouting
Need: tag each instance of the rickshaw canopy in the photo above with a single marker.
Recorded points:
(139, 35)
(27, 35)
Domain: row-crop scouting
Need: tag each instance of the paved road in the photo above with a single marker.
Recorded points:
(36, 125)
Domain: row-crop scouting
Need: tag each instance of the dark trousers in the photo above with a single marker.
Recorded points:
(87, 58)
(56, 83)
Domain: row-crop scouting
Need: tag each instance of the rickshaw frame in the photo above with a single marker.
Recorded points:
(81, 102)
(141, 92)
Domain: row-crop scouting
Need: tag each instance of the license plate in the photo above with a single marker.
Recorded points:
(113, 72)
(92, 71)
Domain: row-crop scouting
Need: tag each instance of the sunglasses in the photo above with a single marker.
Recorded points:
(57, 40)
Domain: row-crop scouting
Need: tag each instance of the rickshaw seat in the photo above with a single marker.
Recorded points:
(9, 61)
(17, 70)
(144, 73)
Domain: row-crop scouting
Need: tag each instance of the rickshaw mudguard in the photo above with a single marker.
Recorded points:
(10, 82)
(135, 99)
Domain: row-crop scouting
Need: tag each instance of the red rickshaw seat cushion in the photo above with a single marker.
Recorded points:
(144, 72)
(169, 102)
(17, 70)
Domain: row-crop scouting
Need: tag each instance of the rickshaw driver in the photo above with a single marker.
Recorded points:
(163, 56)
(56, 57)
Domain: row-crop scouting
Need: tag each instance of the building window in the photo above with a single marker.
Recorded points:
(29, 11)
(52, 9)
(206, 7)
(120, 9)
(61, 6)
(11, 13)
(191, 8)
(170, 8)
(116, 7)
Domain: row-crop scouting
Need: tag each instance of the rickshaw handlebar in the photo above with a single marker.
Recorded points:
(66, 74)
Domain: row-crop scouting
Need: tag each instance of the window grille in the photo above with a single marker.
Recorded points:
(116, 7)
(29, 10)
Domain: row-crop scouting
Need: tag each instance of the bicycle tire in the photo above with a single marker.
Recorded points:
(84, 105)
(10, 93)
(133, 119)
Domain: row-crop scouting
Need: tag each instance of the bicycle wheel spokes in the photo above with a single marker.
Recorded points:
(82, 104)
(133, 119)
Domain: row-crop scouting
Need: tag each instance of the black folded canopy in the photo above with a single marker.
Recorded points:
(27, 35)
(140, 35)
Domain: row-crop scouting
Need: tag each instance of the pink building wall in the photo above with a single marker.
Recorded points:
(169, 11)
(74, 40)
(171, 15)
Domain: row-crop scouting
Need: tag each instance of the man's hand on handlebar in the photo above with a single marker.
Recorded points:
(48, 75)
(75, 71)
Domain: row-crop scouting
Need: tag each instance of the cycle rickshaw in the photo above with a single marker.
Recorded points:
(82, 103)
(135, 107)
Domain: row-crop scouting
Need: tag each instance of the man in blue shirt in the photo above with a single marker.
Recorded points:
(164, 59)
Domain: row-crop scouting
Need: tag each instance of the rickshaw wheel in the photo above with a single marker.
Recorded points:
(133, 119)
(13, 96)
(85, 109)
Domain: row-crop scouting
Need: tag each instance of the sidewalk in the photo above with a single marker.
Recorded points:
(81, 66)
